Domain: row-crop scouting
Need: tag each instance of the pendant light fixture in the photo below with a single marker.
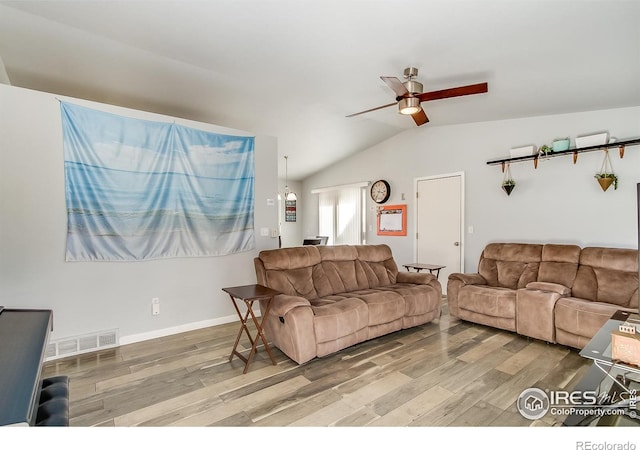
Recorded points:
(288, 195)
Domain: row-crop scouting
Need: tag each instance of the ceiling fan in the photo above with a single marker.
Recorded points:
(409, 95)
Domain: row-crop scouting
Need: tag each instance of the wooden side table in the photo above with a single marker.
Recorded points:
(430, 267)
(249, 294)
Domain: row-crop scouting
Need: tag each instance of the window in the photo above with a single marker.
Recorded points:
(341, 214)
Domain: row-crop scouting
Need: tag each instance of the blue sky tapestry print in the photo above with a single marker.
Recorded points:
(138, 189)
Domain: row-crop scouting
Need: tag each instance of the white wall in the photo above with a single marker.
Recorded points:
(94, 296)
(558, 202)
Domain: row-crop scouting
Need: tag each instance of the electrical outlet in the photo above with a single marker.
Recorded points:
(155, 306)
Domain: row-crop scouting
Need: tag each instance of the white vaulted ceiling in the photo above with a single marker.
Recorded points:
(295, 69)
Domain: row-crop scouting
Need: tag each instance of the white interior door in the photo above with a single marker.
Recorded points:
(439, 223)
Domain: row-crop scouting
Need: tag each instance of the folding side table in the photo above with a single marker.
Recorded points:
(430, 267)
(249, 294)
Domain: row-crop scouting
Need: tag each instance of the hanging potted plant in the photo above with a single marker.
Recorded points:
(606, 180)
(606, 177)
(508, 183)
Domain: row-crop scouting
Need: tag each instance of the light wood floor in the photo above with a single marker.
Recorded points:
(445, 373)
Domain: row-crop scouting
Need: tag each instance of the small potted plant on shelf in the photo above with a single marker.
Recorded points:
(560, 145)
(544, 150)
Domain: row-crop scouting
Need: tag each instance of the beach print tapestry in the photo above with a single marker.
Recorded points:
(138, 189)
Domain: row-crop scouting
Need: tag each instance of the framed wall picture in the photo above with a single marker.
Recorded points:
(392, 220)
(290, 210)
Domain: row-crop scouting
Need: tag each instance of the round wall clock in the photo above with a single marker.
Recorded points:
(380, 191)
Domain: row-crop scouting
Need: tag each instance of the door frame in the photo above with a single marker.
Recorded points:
(462, 209)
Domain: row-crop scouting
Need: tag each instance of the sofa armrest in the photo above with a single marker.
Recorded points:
(290, 327)
(283, 303)
(468, 278)
(456, 282)
(549, 287)
(415, 277)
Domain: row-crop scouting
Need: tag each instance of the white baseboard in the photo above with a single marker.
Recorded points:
(132, 338)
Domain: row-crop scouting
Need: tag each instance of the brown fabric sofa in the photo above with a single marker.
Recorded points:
(557, 293)
(337, 296)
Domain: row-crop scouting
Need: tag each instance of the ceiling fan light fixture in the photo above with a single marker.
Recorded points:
(408, 106)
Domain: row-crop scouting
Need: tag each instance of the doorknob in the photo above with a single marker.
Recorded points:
(457, 244)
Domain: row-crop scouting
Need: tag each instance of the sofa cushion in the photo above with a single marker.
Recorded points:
(337, 316)
(337, 252)
(559, 264)
(513, 252)
(342, 276)
(418, 299)
(290, 258)
(608, 275)
(508, 265)
(293, 282)
(384, 306)
(290, 270)
(582, 317)
(378, 264)
(510, 272)
(490, 301)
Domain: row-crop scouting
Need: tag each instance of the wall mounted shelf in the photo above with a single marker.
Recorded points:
(572, 151)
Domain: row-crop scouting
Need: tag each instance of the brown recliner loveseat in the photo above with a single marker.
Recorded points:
(333, 297)
(557, 293)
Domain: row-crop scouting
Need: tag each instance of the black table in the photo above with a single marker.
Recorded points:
(23, 339)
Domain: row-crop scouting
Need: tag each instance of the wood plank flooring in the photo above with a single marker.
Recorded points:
(445, 373)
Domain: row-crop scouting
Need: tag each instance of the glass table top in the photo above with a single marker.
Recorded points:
(599, 348)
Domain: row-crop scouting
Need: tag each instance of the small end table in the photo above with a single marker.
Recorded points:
(249, 294)
(430, 267)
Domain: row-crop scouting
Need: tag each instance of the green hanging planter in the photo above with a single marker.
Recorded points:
(508, 183)
(508, 186)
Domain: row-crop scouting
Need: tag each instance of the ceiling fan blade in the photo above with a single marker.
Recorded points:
(479, 88)
(396, 85)
(420, 118)
(372, 109)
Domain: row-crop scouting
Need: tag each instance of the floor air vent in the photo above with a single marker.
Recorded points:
(81, 344)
